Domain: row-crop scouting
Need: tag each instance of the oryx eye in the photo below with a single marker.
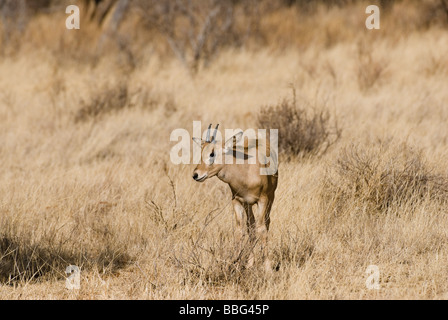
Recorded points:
(212, 154)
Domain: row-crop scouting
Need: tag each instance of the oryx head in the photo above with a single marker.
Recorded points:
(211, 149)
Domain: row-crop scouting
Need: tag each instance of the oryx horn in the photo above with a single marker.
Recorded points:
(214, 133)
(207, 139)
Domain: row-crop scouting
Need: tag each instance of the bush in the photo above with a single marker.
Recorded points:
(26, 257)
(382, 177)
(303, 131)
(370, 70)
(106, 101)
(196, 31)
(119, 96)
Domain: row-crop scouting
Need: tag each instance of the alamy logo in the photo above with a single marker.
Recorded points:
(73, 281)
(373, 279)
(239, 147)
(72, 21)
(373, 21)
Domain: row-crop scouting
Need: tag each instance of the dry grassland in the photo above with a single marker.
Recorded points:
(86, 180)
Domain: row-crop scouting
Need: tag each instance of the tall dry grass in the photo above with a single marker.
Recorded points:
(85, 176)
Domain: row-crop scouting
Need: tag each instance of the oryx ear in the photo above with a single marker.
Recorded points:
(229, 143)
(198, 141)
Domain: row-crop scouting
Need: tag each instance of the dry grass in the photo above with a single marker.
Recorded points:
(85, 176)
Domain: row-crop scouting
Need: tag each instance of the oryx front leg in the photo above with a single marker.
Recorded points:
(262, 221)
(250, 223)
(239, 212)
(244, 243)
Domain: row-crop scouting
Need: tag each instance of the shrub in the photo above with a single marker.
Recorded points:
(108, 100)
(303, 131)
(23, 258)
(382, 177)
(116, 97)
(370, 70)
(196, 31)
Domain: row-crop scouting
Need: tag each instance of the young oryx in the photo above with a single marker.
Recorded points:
(248, 185)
